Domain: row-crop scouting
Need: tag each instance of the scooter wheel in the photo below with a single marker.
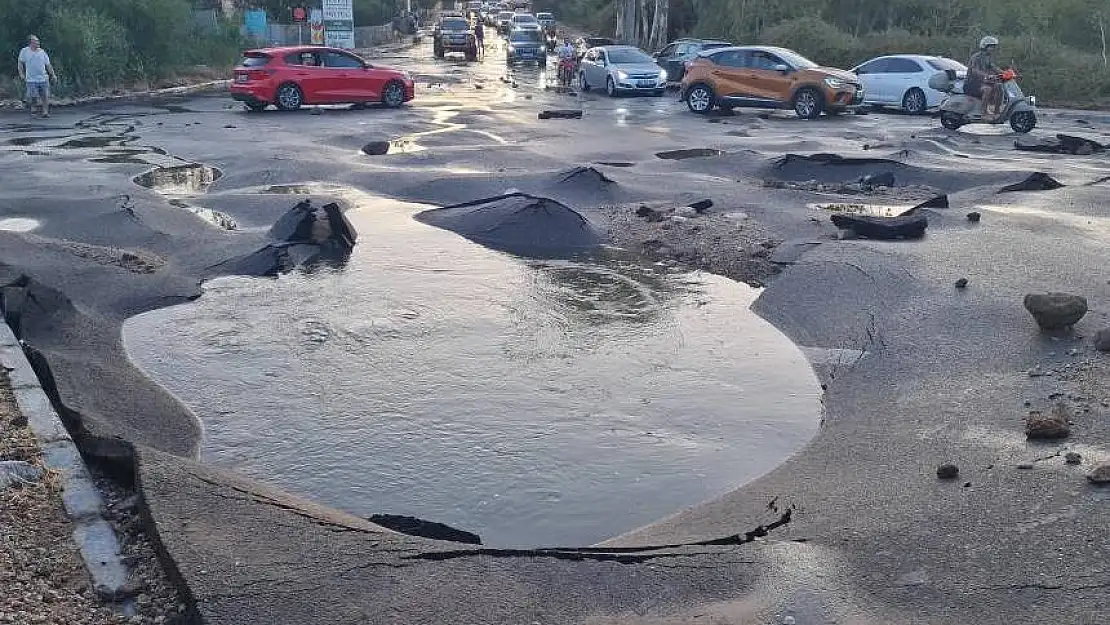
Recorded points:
(1023, 121)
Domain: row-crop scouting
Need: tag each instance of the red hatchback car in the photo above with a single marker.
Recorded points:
(291, 77)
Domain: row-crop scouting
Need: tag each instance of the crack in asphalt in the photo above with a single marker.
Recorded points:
(620, 555)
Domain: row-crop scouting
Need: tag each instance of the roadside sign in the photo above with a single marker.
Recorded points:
(339, 23)
(316, 27)
(299, 14)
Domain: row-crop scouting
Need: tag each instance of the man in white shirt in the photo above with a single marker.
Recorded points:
(36, 71)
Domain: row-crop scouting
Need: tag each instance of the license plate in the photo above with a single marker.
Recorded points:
(241, 78)
(645, 83)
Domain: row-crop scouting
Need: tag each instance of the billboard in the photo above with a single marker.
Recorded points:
(339, 23)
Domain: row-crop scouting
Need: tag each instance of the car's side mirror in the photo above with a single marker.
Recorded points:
(782, 69)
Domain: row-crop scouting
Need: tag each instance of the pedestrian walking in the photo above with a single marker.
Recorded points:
(36, 72)
(480, 39)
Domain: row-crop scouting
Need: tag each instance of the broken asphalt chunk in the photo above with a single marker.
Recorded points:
(561, 114)
(1038, 181)
(1055, 311)
(884, 228)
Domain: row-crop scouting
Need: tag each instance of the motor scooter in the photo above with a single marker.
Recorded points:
(552, 41)
(959, 109)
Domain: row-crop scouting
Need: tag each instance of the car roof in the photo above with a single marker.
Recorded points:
(696, 40)
(618, 47)
(284, 50)
(774, 49)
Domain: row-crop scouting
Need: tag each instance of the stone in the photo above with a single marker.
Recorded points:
(1100, 474)
(961, 283)
(702, 205)
(883, 228)
(1055, 311)
(18, 473)
(1073, 457)
(686, 211)
(1025, 466)
(1102, 340)
(1051, 427)
(974, 217)
(883, 179)
(948, 471)
(652, 214)
(376, 148)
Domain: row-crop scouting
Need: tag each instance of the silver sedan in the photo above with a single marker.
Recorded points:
(621, 69)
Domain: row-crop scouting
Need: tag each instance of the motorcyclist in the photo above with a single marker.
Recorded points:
(982, 76)
(567, 57)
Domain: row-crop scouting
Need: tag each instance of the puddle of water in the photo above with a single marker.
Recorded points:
(690, 153)
(93, 142)
(529, 402)
(26, 140)
(180, 180)
(404, 146)
(18, 224)
(216, 218)
(855, 208)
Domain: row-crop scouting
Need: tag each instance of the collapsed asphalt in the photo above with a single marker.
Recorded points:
(918, 373)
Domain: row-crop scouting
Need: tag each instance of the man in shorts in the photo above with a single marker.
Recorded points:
(35, 70)
(982, 77)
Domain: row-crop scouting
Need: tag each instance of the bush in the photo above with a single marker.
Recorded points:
(91, 51)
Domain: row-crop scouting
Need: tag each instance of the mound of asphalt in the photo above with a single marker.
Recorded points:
(306, 236)
(518, 223)
(584, 178)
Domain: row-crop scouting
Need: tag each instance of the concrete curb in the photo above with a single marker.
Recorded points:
(133, 95)
(93, 534)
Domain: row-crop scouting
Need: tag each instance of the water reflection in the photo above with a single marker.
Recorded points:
(180, 180)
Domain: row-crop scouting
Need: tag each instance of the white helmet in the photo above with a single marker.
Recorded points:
(987, 41)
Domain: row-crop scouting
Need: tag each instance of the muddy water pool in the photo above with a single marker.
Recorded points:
(535, 403)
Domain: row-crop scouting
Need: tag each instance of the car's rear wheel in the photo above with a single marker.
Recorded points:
(611, 87)
(914, 102)
(437, 51)
(393, 95)
(700, 98)
(808, 103)
(289, 97)
(582, 84)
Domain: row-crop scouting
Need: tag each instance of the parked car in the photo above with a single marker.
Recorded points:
(621, 69)
(673, 58)
(504, 22)
(902, 80)
(526, 44)
(583, 44)
(525, 21)
(294, 76)
(547, 21)
(454, 34)
(767, 77)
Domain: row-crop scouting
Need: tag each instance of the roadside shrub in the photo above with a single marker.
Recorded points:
(90, 50)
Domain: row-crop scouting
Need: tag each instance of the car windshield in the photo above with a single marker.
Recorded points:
(594, 42)
(794, 59)
(455, 24)
(625, 56)
(524, 36)
(946, 64)
(545, 16)
(524, 19)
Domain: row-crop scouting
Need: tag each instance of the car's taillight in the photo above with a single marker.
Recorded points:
(260, 74)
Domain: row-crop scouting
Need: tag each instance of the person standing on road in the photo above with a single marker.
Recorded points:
(480, 38)
(36, 72)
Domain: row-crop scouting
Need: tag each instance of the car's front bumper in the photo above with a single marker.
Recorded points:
(632, 84)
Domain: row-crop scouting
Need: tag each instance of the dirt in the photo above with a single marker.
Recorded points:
(42, 577)
(730, 245)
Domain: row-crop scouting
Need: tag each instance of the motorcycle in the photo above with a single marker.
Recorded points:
(552, 42)
(959, 109)
(567, 70)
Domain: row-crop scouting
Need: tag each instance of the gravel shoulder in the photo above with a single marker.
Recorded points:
(42, 576)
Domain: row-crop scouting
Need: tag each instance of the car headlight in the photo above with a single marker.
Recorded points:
(662, 74)
(835, 83)
(622, 75)
(512, 49)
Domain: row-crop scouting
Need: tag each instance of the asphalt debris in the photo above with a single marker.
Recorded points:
(1055, 311)
(948, 471)
(1055, 425)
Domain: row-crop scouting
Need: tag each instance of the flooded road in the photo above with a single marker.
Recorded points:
(533, 403)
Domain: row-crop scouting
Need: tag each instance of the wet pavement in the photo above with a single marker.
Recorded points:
(917, 372)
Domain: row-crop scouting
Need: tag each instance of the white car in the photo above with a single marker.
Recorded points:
(903, 81)
(621, 69)
(525, 21)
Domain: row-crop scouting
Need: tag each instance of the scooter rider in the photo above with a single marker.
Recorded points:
(567, 57)
(982, 76)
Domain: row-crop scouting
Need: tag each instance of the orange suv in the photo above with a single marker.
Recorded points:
(767, 77)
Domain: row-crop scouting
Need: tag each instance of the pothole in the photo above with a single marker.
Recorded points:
(678, 155)
(855, 208)
(18, 224)
(216, 218)
(288, 189)
(179, 180)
